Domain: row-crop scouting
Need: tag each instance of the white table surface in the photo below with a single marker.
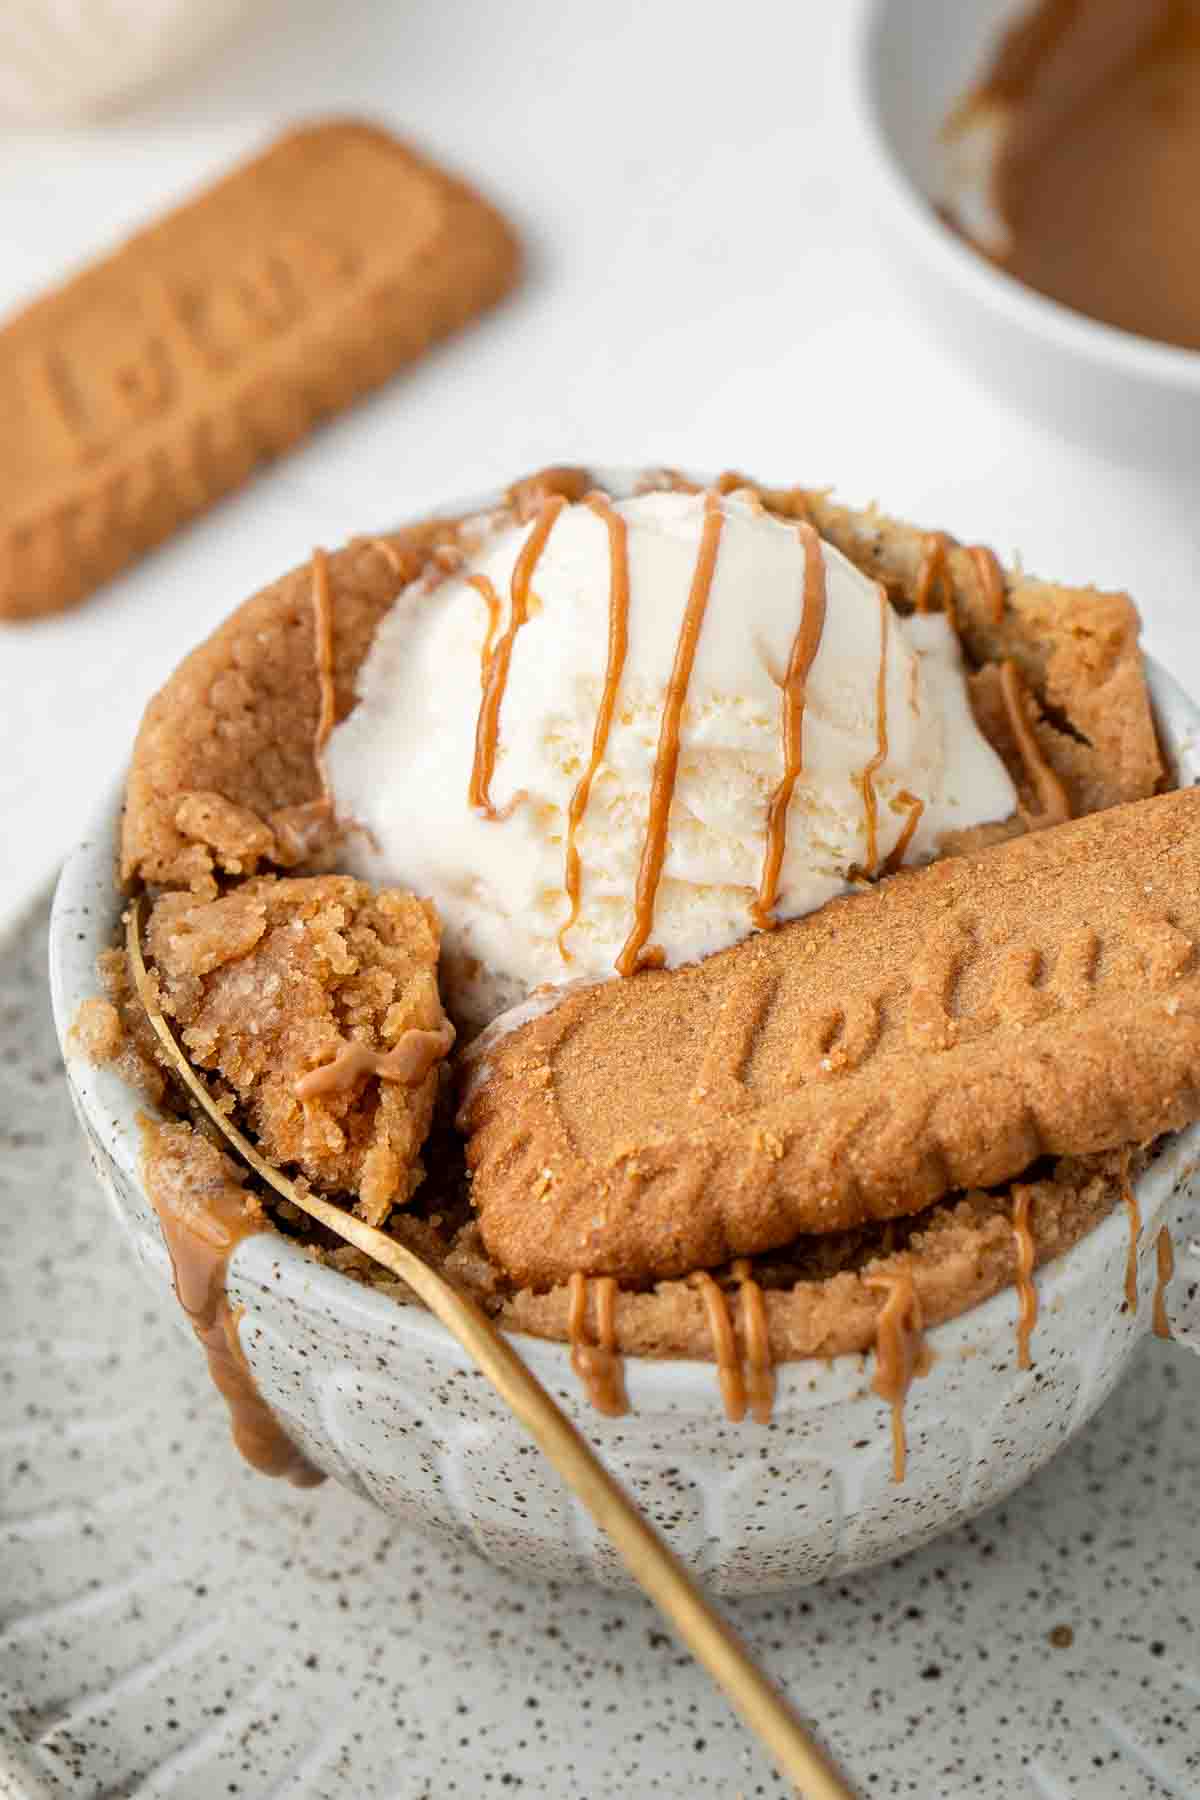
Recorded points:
(704, 287)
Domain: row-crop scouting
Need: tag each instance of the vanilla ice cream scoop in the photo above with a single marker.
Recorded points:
(637, 730)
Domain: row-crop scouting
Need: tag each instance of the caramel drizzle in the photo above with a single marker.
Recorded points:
(991, 579)
(1165, 1252)
(1027, 1294)
(805, 645)
(200, 1243)
(666, 762)
(487, 727)
(389, 553)
(1055, 804)
(256, 1432)
(760, 1381)
(483, 586)
(1134, 1212)
(729, 1366)
(896, 854)
(562, 479)
(788, 503)
(900, 1354)
(867, 779)
(447, 558)
(618, 644)
(322, 609)
(933, 573)
(408, 1062)
(598, 1366)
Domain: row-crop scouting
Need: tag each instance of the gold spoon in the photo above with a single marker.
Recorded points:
(655, 1567)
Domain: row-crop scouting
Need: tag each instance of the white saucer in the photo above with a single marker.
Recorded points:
(173, 1625)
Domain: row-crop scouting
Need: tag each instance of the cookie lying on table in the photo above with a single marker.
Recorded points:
(162, 376)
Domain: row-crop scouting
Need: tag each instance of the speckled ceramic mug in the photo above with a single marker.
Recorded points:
(381, 1397)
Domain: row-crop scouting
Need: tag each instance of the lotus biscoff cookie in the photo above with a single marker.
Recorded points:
(157, 379)
(941, 1031)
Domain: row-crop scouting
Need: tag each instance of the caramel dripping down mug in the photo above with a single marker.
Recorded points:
(379, 1396)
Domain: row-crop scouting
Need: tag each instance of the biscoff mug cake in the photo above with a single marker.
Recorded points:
(711, 924)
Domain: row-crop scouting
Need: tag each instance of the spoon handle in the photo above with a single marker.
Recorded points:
(655, 1567)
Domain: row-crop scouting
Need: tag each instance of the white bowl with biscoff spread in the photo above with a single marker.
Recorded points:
(377, 1395)
(912, 64)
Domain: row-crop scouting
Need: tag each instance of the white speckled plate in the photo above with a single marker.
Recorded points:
(172, 1625)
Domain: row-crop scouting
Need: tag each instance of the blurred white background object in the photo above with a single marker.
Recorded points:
(704, 287)
(72, 59)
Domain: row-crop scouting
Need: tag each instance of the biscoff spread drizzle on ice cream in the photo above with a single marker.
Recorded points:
(666, 762)
(867, 778)
(618, 646)
(495, 681)
(662, 758)
(896, 855)
(804, 650)
(492, 601)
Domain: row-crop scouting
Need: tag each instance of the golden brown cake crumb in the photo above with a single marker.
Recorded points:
(115, 1032)
(224, 770)
(97, 1032)
(239, 836)
(278, 979)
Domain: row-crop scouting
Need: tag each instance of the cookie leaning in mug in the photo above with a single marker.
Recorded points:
(628, 789)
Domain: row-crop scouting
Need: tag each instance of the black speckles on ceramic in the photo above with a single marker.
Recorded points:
(172, 1625)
